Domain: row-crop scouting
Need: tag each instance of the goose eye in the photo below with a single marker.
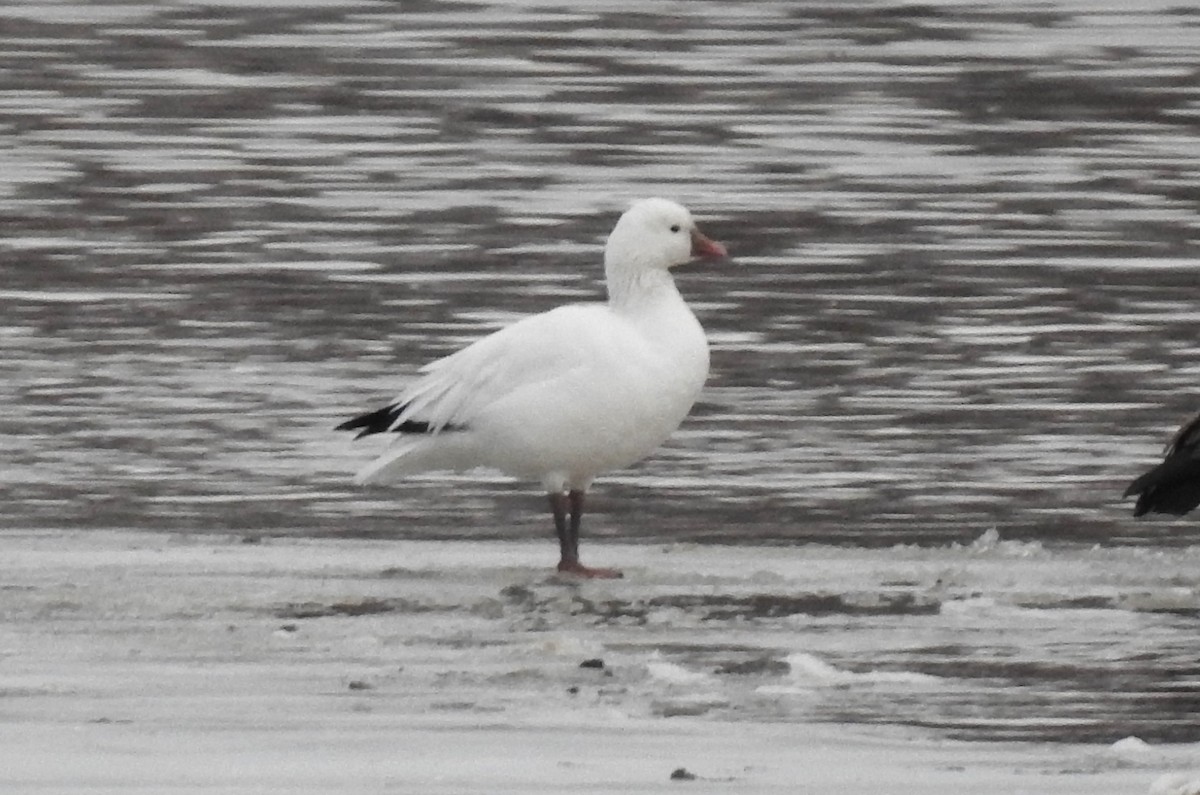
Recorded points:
(675, 227)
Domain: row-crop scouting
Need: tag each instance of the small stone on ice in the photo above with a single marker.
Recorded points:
(682, 774)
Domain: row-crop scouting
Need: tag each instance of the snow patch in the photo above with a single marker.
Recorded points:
(669, 673)
(1176, 784)
(808, 669)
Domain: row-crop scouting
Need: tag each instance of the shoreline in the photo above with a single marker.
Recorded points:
(162, 663)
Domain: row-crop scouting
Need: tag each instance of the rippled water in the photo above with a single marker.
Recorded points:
(963, 293)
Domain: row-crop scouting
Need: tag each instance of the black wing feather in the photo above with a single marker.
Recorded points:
(384, 419)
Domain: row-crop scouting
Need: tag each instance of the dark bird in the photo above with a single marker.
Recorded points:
(1174, 485)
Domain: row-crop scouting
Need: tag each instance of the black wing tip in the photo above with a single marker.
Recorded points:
(1139, 489)
(1141, 483)
(376, 421)
(384, 419)
(349, 425)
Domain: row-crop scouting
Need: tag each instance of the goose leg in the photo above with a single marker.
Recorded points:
(568, 552)
(575, 501)
(568, 536)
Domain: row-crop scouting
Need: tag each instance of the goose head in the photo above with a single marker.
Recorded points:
(656, 234)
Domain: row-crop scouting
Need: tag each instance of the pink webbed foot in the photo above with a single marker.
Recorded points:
(577, 569)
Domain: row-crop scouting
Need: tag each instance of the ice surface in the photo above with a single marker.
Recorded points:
(167, 663)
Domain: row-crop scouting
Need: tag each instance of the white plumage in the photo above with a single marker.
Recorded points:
(562, 396)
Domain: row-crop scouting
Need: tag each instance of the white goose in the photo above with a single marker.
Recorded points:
(565, 395)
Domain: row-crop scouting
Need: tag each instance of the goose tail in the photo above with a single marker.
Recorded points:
(410, 455)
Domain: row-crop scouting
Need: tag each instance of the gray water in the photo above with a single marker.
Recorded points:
(962, 296)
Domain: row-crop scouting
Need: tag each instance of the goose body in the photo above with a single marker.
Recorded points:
(562, 396)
